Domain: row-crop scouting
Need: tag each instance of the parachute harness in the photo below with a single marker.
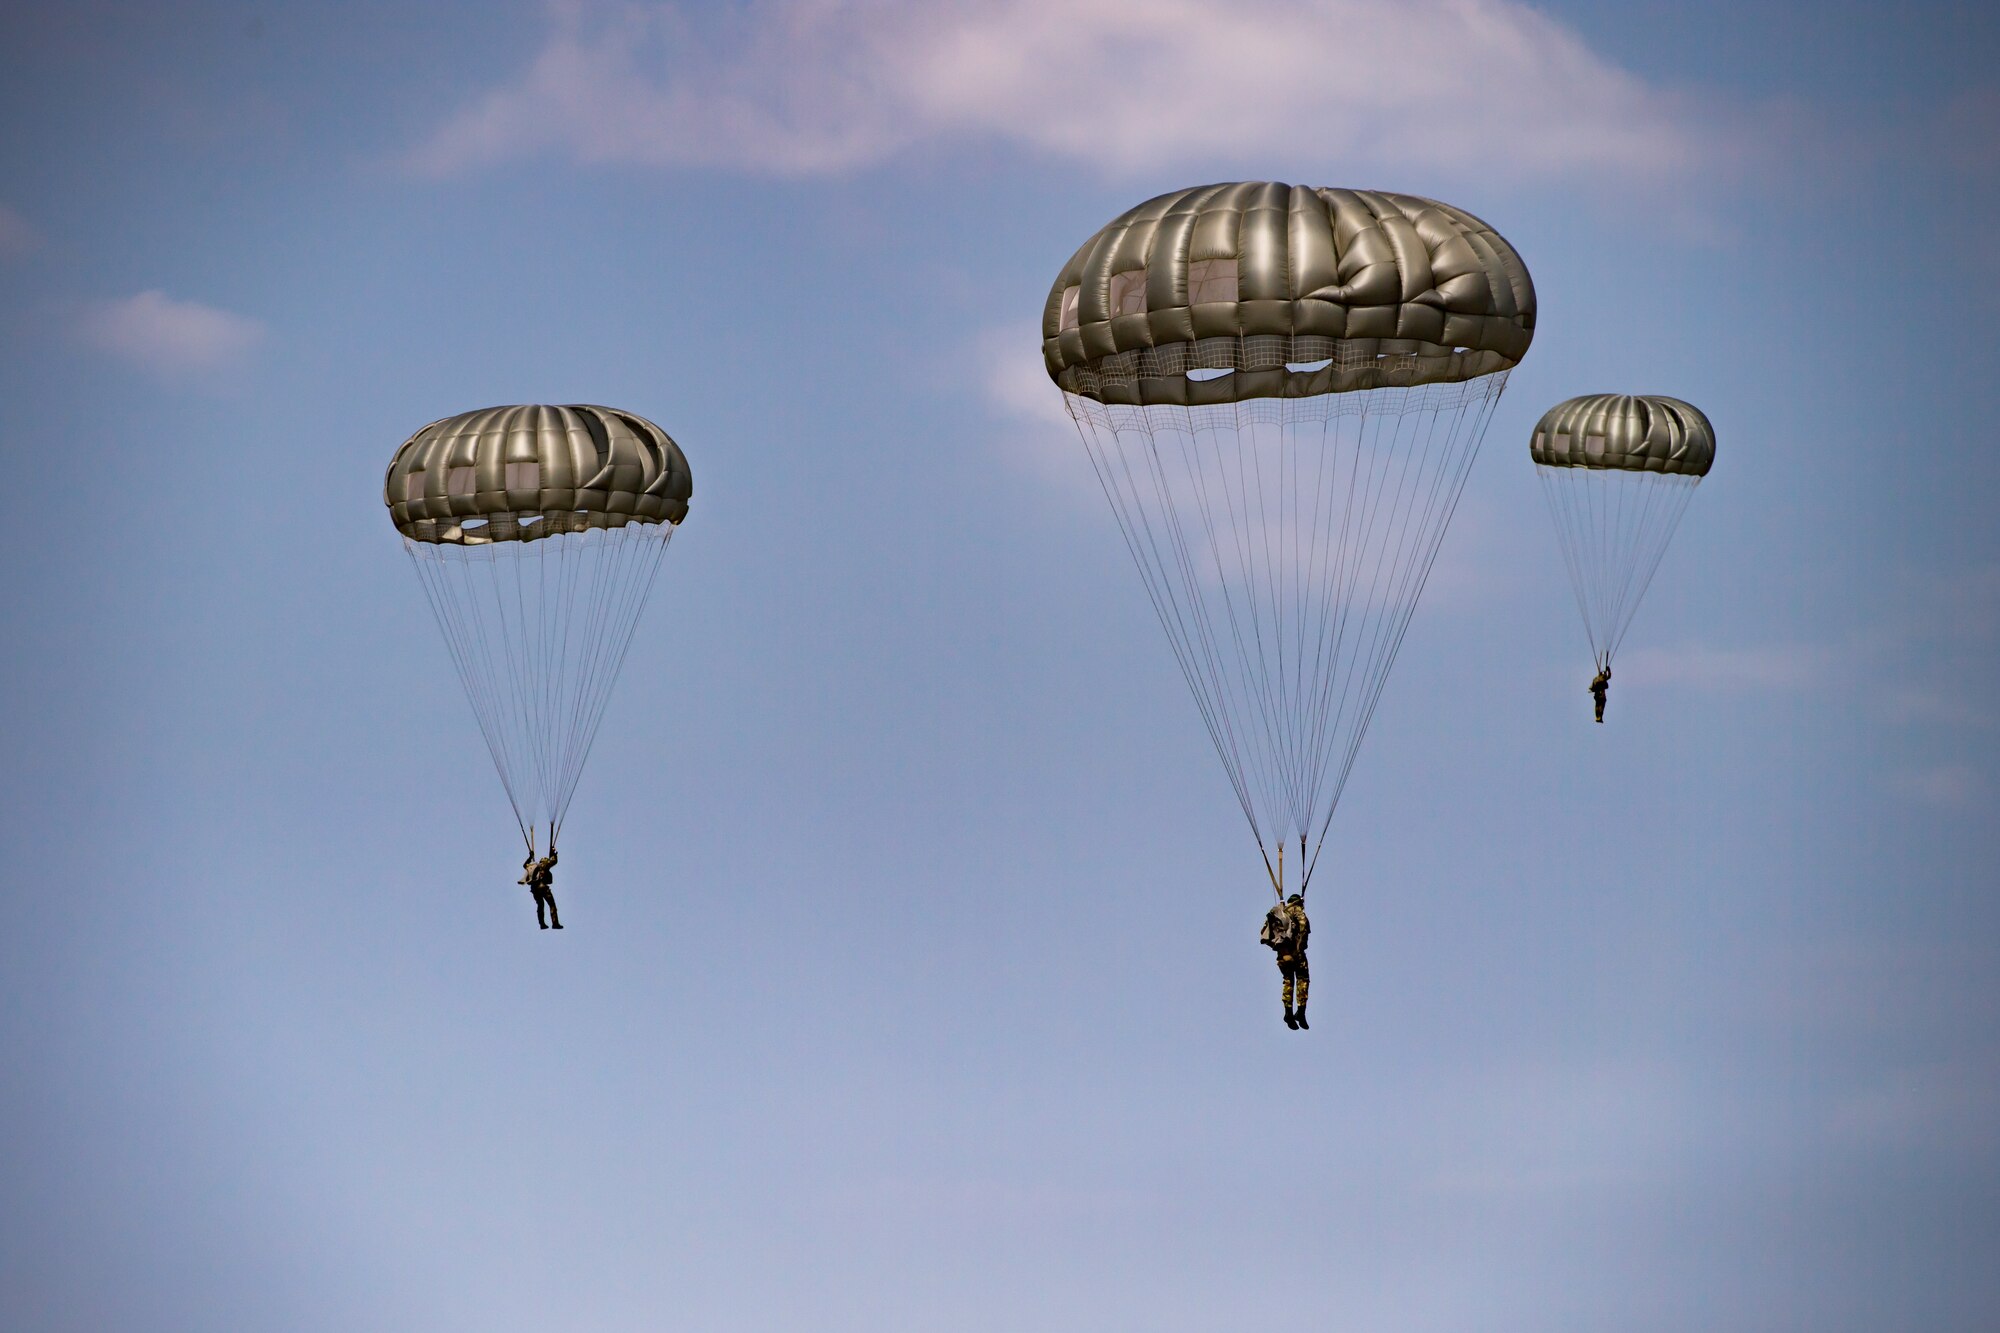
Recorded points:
(1284, 543)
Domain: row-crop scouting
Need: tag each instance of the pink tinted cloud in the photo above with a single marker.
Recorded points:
(18, 238)
(170, 338)
(809, 86)
(1710, 667)
(1948, 786)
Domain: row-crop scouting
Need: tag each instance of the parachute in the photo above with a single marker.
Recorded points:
(1618, 472)
(1282, 390)
(537, 533)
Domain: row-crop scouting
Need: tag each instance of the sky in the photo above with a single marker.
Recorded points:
(911, 977)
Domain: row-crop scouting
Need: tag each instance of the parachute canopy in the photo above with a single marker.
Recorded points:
(532, 471)
(537, 532)
(1264, 280)
(1618, 430)
(1282, 390)
(1618, 472)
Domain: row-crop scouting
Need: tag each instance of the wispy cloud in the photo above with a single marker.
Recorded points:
(1945, 633)
(18, 237)
(1865, 986)
(1912, 666)
(1950, 786)
(1036, 430)
(1968, 132)
(1938, 706)
(1706, 667)
(173, 339)
(810, 86)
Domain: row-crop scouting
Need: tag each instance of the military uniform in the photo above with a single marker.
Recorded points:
(1600, 685)
(540, 880)
(1286, 930)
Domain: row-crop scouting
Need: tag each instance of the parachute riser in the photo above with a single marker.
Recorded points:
(1278, 874)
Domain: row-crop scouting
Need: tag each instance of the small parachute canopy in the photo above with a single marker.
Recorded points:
(1290, 291)
(1618, 471)
(537, 533)
(1625, 432)
(526, 472)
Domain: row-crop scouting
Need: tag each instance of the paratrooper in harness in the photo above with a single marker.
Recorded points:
(1600, 685)
(538, 873)
(1285, 933)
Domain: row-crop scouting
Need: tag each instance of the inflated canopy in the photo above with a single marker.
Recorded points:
(1624, 432)
(519, 473)
(1291, 290)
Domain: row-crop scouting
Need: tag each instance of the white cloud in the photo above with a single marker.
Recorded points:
(1944, 707)
(1472, 570)
(1952, 786)
(1942, 634)
(172, 339)
(1037, 432)
(1968, 131)
(814, 86)
(1017, 381)
(1697, 666)
(17, 236)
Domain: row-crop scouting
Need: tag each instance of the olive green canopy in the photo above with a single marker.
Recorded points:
(538, 629)
(1288, 292)
(1621, 431)
(519, 473)
(1282, 390)
(1618, 472)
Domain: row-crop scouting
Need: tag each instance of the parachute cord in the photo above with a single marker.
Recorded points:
(1187, 633)
(1284, 547)
(538, 633)
(1569, 495)
(467, 646)
(1399, 604)
(645, 552)
(1317, 847)
(1276, 888)
(1652, 545)
(1612, 542)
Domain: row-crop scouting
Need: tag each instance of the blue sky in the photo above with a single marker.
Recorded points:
(911, 978)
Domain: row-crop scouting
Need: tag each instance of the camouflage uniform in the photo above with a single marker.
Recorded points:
(1286, 931)
(1600, 685)
(540, 880)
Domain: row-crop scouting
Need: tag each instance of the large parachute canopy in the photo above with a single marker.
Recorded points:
(1282, 390)
(537, 532)
(1618, 472)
